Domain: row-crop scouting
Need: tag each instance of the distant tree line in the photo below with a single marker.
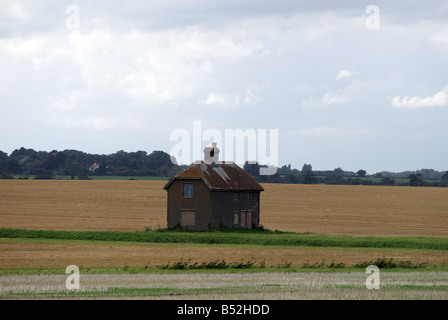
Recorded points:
(77, 164)
(25, 163)
(285, 174)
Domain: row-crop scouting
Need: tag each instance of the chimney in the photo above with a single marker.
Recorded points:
(211, 154)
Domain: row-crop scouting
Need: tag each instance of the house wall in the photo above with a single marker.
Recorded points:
(198, 206)
(224, 206)
(210, 209)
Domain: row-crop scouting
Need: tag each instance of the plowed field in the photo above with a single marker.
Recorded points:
(134, 205)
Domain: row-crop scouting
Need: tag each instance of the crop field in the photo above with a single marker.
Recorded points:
(134, 205)
(329, 234)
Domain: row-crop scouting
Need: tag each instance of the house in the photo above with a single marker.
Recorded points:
(210, 194)
(93, 167)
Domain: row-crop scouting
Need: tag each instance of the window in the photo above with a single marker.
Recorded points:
(236, 218)
(236, 196)
(188, 190)
(187, 218)
(250, 196)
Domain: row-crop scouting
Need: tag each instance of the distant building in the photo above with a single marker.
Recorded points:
(211, 194)
(93, 167)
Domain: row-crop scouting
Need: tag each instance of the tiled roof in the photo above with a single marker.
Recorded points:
(222, 176)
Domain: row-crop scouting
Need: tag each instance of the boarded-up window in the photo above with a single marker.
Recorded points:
(188, 190)
(187, 218)
(236, 218)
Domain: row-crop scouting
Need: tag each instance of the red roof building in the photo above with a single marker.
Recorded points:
(211, 194)
(94, 166)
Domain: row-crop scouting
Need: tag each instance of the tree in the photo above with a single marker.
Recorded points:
(309, 178)
(386, 181)
(60, 159)
(253, 169)
(160, 158)
(334, 178)
(50, 162)
(445, 176)
(284, 170)
(306, 168)
(103, 168)
(289, 178)
(14, 166)
(378, 175)
(24, 160)
(4, 175)
(444, 180)
(339, 171)
(3, 161)
(361, 173)
(73, 168)
(415, 180)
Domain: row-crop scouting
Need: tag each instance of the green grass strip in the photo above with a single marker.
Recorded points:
(235, 237)
(127, 292)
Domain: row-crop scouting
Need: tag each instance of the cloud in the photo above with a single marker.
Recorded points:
(333, 98)
(345, 75)
(439, 99)
(440, 37)
(347, 130)
(329, 98)
(247, 98)
(136, 70)
(216, 99)
(95, 122)
(17, 11)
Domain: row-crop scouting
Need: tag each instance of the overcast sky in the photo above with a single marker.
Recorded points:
(103, 76)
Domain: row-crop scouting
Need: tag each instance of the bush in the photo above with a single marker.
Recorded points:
(391, 263)
(217, 264)
(386, 181)
(43, 176)
(334, 178)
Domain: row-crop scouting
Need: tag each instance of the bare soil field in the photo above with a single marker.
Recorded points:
(82, 205)
(134, 205)
(356, 210)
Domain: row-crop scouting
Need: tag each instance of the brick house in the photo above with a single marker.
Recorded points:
(210, 194)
